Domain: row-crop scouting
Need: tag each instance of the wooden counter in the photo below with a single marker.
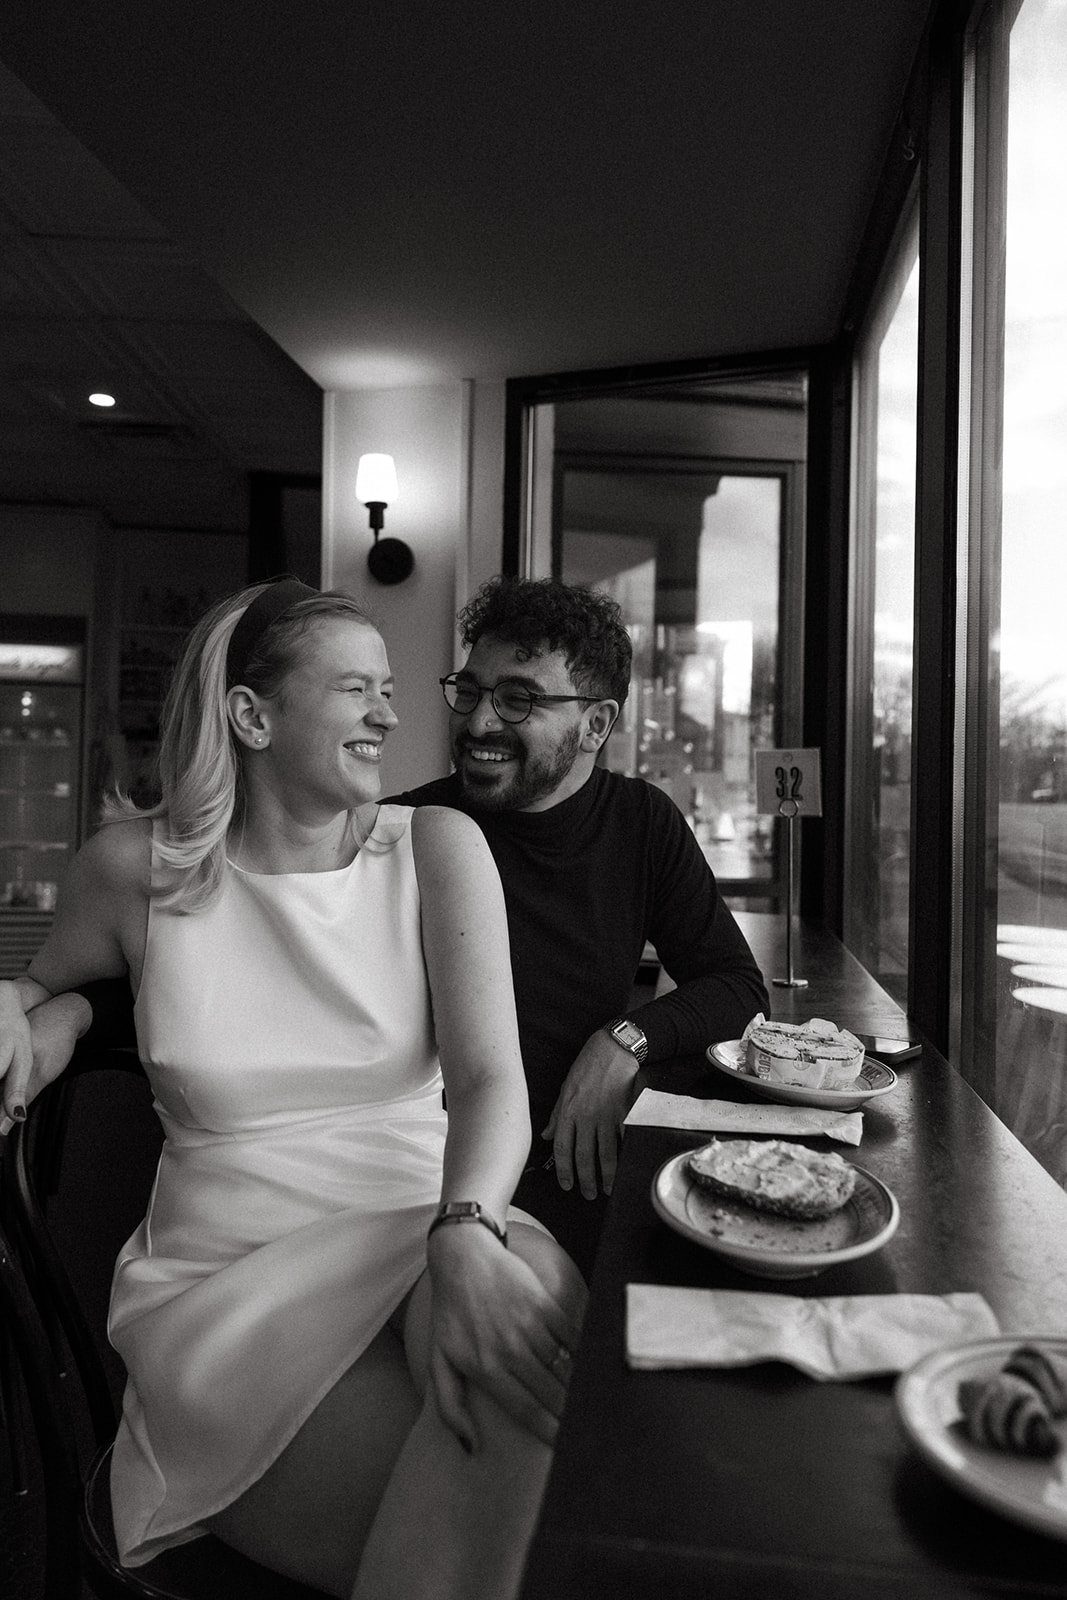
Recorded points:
(758, 1483)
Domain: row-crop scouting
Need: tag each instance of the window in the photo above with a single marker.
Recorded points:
(1015, 933)
(686, 506)
(885, 399)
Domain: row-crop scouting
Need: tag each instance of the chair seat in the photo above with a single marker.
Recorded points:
(200, 1569)
(49, 1318)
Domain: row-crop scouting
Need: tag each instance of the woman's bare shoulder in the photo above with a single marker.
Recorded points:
(452, 859)
(439, 828)
(118, 855)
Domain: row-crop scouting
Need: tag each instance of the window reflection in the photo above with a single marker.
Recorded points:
(684, 499)
(703, 691)
(1031, 1038)
(883, 607)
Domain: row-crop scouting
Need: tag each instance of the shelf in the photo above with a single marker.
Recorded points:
(39, 794)
(35, 744)
(35, 844)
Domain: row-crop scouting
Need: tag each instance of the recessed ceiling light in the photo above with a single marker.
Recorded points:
(101, 399)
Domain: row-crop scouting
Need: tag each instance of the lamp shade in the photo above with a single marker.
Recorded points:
(376, 480)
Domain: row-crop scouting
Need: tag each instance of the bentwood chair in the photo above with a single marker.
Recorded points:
(71, 1395)
(30, 1372)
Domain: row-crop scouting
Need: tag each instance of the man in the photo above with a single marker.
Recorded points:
(593, 864)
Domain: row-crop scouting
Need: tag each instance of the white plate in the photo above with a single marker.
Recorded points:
(874, 1078)
(1024, 1488)
(769, 1246)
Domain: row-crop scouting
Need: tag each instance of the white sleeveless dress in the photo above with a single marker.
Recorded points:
(287, 1036)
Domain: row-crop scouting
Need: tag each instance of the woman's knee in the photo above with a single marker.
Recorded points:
(552, 1265)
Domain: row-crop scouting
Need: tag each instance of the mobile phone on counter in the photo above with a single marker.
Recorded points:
(889, 1050)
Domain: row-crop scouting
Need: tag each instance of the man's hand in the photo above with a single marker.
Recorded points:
(586, 1121)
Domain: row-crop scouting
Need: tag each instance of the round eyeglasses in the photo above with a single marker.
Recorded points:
(512, 702)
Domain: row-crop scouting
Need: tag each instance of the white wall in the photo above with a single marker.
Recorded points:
(485, 530)
(447, 441)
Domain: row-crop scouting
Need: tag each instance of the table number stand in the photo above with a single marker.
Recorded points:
(789, 817)
(788, 786)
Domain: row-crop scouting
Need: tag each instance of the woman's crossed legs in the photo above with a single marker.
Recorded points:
(376, 1498)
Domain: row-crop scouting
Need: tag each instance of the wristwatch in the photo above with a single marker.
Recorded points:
(466, 1211)
(629, 1035)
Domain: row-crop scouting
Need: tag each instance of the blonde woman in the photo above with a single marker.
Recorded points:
(345, 1357)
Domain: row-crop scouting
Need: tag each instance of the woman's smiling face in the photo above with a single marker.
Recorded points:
(328, 722)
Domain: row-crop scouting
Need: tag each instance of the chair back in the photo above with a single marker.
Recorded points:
(23, 1337)
(32, 1168)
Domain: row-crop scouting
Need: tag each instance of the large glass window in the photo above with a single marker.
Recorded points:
(704, 692)
(686, 506)
(1020, 534)
(883, 567)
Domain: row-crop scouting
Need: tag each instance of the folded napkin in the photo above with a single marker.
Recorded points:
(848, 1336)
(653, 1108)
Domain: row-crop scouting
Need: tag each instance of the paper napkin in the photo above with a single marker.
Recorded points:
(847, 1336)
(653, 1108)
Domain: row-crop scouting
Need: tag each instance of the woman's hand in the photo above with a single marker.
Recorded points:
(494, 1326)
(16, 1051)
(39, 1043)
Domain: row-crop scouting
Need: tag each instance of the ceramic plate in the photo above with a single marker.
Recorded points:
(875, 1078)
(1023, 1488)
(768, 1246)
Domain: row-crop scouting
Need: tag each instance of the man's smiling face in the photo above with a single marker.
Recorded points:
(518, 766)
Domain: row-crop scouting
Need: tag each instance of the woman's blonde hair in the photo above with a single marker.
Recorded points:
(201, 790)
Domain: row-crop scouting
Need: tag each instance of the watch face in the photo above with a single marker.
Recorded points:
(628, 1035)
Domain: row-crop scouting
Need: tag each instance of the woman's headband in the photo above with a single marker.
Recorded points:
(278, 596)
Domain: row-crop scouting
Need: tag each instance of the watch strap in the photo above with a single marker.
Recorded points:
(637, 1046)
(466, 1211)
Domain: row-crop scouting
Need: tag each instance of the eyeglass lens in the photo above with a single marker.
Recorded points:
(510, 700)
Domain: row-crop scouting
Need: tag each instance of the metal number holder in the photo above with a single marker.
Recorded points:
(788, 810)
(789, 786)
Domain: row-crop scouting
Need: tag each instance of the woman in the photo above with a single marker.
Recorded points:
(315, 1377)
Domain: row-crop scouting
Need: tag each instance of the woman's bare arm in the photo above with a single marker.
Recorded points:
(465, 940)
(101, 914)
(97, 933)
(495, 1324)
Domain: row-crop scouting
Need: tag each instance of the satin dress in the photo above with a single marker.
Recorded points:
(287, 1035)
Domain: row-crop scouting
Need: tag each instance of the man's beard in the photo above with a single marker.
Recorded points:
(524, 781)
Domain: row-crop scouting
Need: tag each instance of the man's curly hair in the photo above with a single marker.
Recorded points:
(540, 615)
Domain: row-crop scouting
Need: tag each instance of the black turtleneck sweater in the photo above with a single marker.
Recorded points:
(586, 884)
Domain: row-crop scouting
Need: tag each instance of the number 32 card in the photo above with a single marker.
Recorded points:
(788, 783)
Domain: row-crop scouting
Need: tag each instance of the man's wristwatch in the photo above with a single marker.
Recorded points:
(629, 1035)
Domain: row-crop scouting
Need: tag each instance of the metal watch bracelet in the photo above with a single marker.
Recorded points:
(630, 1037)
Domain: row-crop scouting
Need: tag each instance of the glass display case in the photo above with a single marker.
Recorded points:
(41, 717)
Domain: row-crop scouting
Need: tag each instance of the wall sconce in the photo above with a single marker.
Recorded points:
(389, 560)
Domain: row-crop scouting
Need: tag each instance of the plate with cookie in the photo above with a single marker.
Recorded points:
(991, 1418)
(773, 1208)
(803, 1063)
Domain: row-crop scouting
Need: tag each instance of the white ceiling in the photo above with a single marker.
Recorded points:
(93, 295)
(409, 191)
